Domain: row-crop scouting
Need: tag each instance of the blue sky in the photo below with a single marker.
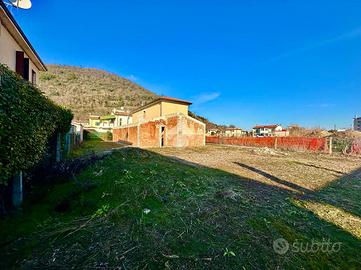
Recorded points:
(240, 62)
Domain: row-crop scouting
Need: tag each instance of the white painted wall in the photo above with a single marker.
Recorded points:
(8, 48)
(121, 120)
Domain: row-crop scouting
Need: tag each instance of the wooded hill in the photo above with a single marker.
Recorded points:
(91, 91)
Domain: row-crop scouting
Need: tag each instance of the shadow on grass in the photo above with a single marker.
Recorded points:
(148, 211)
(274, 178)
(341, 193)
(318, 167)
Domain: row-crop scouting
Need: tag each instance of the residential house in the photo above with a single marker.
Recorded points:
(162, 122)
(74, 137)
(78, 129)
(357, 123)
(104, 123)
(160, 107)
(213, 132)
(121, 117)
(234, 132)
(94, 121)
(269, 131)
(16, 52)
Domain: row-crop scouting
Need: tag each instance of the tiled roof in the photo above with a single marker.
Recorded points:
(173, 99)
(107, 117)
(122, 113)
(234, 129)
(160, 99)
(267, 126)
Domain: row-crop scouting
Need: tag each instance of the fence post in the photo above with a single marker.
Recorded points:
(276, 141)
(67, 143)
(330, 146)
(17, 190)
(58, 147)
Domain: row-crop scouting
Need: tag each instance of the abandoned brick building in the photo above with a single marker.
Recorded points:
(163, 122)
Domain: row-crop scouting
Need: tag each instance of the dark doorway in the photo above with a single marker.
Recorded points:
(162, 136)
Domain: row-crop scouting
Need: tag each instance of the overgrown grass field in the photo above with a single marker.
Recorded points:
(139, 209)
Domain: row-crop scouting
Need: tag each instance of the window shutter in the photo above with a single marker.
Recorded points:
(19, 68)
(26, 69)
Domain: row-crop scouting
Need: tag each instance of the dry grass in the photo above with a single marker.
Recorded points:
(215, 207)
(309, 171)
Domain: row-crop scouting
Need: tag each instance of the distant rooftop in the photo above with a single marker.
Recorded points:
(267, 126)
(235, 128)
(107, 117)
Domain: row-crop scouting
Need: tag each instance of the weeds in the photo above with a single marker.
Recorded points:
(147, 211)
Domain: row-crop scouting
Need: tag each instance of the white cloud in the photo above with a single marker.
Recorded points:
(205, 97)
(320, 105)
(132, 78)
(344, 36)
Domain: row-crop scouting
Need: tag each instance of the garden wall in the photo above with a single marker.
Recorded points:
(171, 131)
(289, 143)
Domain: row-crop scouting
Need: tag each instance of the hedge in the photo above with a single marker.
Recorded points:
(27, 121)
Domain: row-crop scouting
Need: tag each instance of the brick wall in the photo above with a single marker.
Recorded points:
(179, 131)
(291, 143)
(192, 133)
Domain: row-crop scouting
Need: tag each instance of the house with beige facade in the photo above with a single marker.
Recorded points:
(160, 107)
(16, 52)
(162, 122)
(234, 132)
(213, 132)
(270, 131)
(122, 117)
(104, 123)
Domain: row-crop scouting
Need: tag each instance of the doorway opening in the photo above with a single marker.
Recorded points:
(162, 136)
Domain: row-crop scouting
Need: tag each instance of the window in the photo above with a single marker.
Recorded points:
(33, 77)
(19, 66)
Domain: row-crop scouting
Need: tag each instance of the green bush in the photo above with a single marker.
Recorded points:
(109, 136)
(27, 120)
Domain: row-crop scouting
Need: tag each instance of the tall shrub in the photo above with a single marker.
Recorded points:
(27, 120)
